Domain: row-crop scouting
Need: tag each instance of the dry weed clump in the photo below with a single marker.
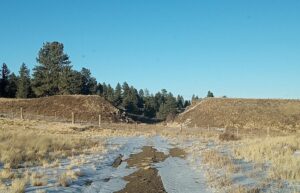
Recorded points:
(228, 137)
(17, 186)
(242, 189)
(38, 179)
(279, 151)
(6, 173)
(65, 180)
(218, 161)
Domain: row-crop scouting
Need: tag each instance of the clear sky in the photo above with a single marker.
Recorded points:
(238, 48)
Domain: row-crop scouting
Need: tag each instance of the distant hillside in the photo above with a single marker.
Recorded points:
(244, 113)
(85, 108)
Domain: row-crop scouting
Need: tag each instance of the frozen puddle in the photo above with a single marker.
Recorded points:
(100, 177)
(178, 177)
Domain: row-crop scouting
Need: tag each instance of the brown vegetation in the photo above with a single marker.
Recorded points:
(279, 151)
(228, 137)
(85, 108)
(243, 113)
(23, 145)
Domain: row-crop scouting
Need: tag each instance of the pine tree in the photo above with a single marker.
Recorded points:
(12, 85)
(23, 86)
(130, 101)
(4, 83)
(104, 88)
(89, 83)
(118, 95)
(180, 102)
(99, 89)
(110, 94)
(65, 81)
(169, 108)
(75, 82)
(48, 73)
(210, 94)
(149, 106)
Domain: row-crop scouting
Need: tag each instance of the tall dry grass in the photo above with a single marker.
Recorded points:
(278, 151)
(29, 148)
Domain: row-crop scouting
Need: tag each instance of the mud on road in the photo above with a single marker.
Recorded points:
(146, 178)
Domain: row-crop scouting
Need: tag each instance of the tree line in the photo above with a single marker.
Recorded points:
(54, 75)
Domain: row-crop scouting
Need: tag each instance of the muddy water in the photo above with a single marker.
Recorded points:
(146, 179)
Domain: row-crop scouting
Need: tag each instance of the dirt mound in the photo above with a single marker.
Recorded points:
(243, 113)
(85, 108)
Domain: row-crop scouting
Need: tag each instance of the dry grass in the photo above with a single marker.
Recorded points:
(228, 137)
(6, 173)
(18, 186)
(275, 150)
(38, 179)
(244, 113)
(85, 108)
(30, 146)
(218, 161)
(242, 189)
(65, 180)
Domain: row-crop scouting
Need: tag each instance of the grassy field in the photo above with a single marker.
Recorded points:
(61, 107)
(27, 143)
(243, 113)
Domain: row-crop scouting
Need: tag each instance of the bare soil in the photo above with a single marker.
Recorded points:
(146, 179)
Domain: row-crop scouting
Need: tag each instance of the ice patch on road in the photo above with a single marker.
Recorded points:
(178, 177)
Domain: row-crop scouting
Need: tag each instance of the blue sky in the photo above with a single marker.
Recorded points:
(238, 48)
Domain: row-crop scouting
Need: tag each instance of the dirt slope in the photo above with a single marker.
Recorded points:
(85, 108)
(243, 113)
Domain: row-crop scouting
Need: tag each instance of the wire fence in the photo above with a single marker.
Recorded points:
(98, 121)
(73, 118)
(76, 119)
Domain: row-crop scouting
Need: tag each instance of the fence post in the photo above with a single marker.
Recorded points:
(21, 111)
(55, 116)
(73, 118)
(99, 120)
(180, 127)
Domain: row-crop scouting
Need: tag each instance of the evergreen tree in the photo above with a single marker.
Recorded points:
(169, 108)
(149, 106)
(125, 88)
(65, 81)
(130, 102)
(141, 101)
(71, 82)
(12, 85)
(180, 102)
(187, 103)
(99, 89)
(48, 73)
(110, 94)
(4, 83)
(23, 86)
(104, 88)
(118, 95)
(89, 83)
(141, 93)
(210, 94)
